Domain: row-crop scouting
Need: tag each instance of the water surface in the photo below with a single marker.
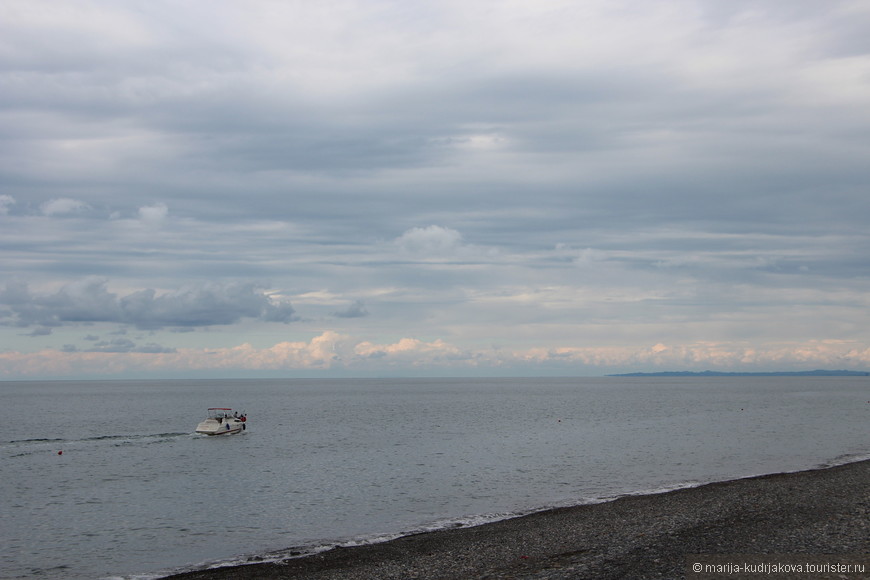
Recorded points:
(136, 493)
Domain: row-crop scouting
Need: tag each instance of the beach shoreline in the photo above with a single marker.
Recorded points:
(814, 512)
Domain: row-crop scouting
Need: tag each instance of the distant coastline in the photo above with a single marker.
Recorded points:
(815, 373)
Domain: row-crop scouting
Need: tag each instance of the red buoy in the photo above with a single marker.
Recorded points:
(60, 452)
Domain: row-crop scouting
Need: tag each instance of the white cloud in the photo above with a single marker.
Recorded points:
(429, 240)
(333, 351)
(412, 352)
(63, 205)
(153, 215)
(5, 202)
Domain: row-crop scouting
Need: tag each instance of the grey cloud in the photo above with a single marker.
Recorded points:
(355, 310)
(89, 301)
(596, 108)
(653, 145)
(39, 331)
(125, 345)
(154, 348)
(114, 345)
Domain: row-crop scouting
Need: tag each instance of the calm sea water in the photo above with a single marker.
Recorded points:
(137, 494)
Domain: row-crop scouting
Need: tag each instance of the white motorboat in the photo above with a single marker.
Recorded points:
(222, 421)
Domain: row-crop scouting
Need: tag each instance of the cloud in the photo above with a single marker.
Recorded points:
(6, 201)
(63, 205)
(333, 351)
(39, 331)
(355, 310)
(413, 352)
(153, 215)
(549, 176)
(429, 240)
(89, 301)
(120, 345)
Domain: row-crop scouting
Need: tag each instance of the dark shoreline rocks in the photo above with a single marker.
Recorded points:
(822, 511)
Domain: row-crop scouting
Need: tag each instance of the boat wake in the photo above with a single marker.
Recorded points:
(24, 447)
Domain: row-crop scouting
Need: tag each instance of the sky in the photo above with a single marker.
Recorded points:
(217, 188)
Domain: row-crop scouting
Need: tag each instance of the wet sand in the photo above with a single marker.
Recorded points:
(823, 511)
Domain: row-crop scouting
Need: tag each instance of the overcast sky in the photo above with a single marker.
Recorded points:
(464, 187)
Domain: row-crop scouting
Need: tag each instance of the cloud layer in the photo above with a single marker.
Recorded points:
(454, 185)
(90, 302)
(340, 354)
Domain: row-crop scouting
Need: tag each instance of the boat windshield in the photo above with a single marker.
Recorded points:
(219, 412)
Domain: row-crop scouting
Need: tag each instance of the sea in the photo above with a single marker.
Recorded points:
(108, 479)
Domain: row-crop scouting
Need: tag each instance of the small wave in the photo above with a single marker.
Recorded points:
(652, 490)
(844, 459)
(150, 576)
(280, 556)
(49, 571)
(301, 551)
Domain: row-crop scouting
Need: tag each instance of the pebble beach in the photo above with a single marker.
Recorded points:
(821, 511)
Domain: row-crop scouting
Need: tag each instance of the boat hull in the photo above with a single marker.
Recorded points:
(213, 427)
